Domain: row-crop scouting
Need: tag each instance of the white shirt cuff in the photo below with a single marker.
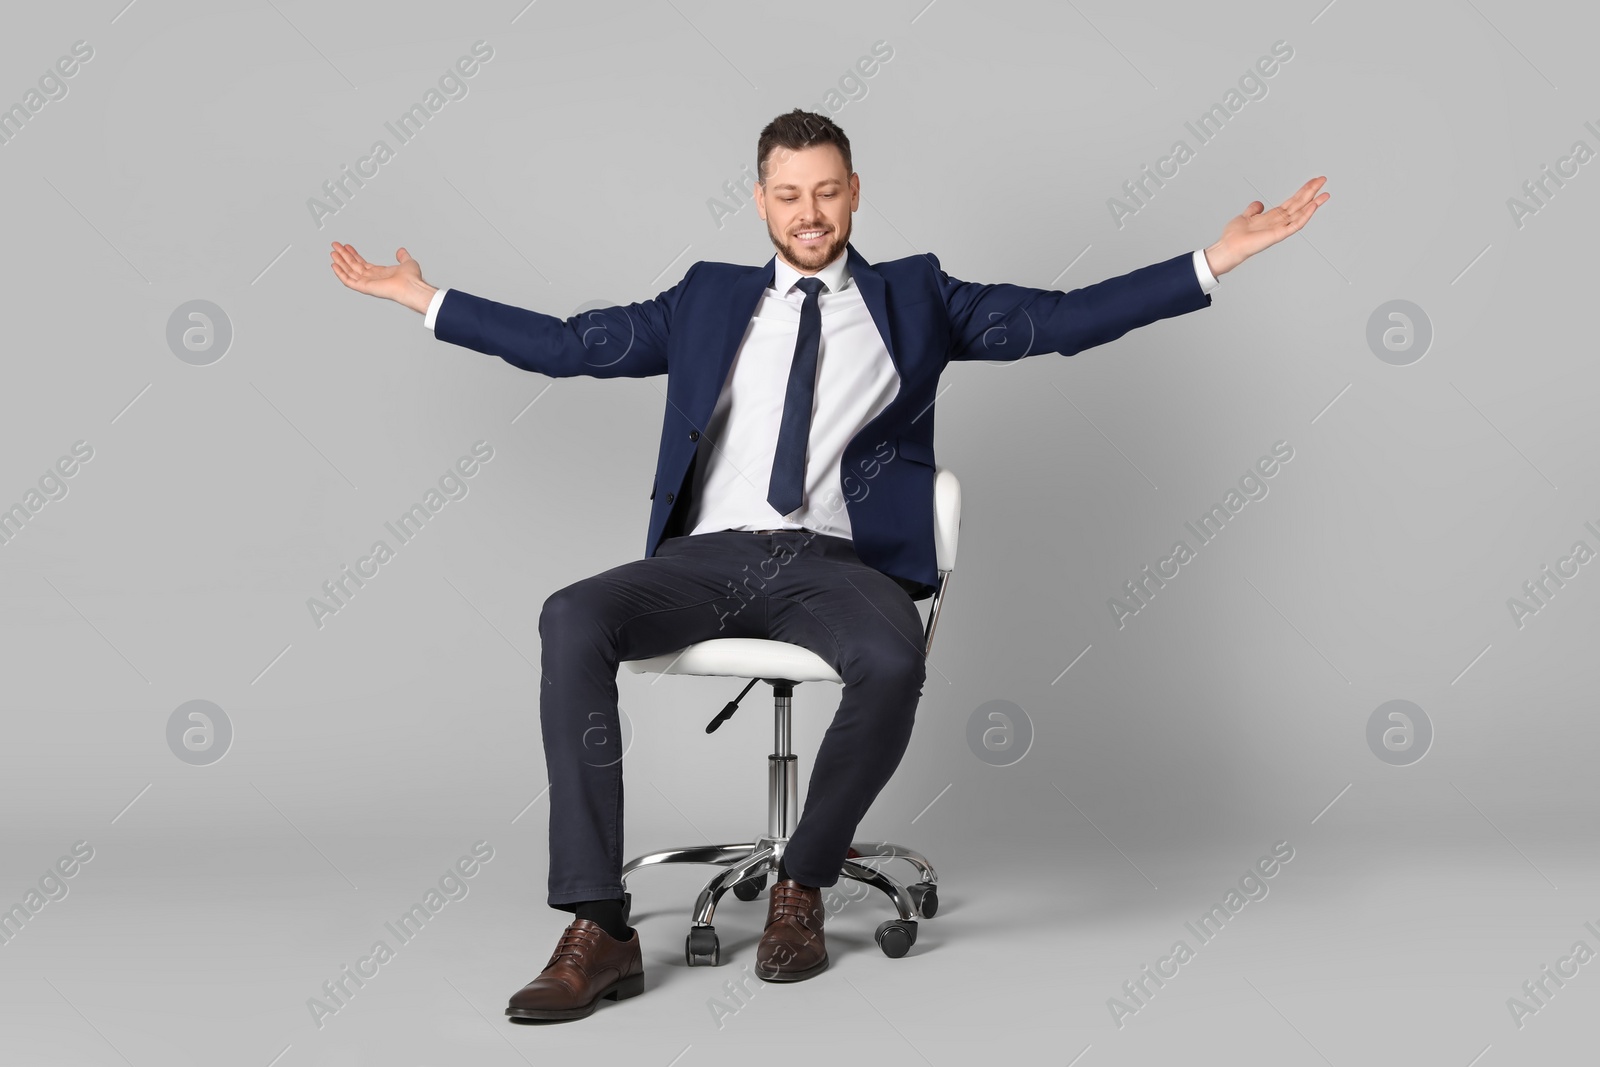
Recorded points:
(433, 308)
(1202, 271)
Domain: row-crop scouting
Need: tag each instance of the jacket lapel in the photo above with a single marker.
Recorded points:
(744, 297)
(870, 282)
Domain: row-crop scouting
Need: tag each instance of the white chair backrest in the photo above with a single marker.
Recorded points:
(946, 518)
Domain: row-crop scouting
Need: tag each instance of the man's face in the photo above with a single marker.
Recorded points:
(806, 200)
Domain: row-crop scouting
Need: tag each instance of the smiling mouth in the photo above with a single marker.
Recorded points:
(809, 236)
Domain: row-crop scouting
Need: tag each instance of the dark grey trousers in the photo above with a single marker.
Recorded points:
(798, 586)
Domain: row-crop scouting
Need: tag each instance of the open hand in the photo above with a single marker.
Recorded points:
(401, 282)
(1255, 229)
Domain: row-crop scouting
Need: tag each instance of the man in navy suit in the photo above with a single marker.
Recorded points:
(793, 501)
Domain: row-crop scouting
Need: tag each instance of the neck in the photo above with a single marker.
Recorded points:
(844, 253)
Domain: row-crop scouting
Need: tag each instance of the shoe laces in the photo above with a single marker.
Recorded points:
(790, 901)
(574, 941)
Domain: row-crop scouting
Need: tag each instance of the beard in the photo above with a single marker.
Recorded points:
(816, 257)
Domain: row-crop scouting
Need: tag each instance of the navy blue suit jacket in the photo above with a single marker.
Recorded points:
(692, 331)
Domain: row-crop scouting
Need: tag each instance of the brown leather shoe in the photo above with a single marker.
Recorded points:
(791, 947)
(588, 964)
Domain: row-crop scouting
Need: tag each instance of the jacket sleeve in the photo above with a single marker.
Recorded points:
(625, 341)
(1008, 322)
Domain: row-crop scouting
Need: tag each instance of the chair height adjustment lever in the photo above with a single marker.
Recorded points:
(732, 706)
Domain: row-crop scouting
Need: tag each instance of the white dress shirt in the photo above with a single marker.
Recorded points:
(856, 379)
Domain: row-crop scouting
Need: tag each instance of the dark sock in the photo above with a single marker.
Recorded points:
(783, 873)
(608, 915)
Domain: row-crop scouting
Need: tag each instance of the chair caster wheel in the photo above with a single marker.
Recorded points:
(896, 936)
(700, 949)
(627, 906)
(750, 888)
(926, 897)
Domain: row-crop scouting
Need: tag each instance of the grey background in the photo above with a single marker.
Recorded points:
(1228, 715)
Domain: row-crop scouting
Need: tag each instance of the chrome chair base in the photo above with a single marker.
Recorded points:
(746, 868)
(754, 862)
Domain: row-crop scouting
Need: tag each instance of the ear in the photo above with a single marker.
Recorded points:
(760, 191)
(855, 190)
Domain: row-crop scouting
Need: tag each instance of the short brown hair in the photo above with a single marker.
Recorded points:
(800, 129)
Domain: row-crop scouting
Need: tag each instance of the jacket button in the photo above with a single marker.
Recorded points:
(694, 435)
(669, 498)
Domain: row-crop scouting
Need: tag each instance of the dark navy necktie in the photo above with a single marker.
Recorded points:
(786, 491)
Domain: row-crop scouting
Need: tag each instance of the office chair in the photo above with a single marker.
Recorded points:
(783, 665)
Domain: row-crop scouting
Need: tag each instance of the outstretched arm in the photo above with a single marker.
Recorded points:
(627, 341)
(1006, 322)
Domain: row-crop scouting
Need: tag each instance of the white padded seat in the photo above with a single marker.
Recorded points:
(741, 657)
